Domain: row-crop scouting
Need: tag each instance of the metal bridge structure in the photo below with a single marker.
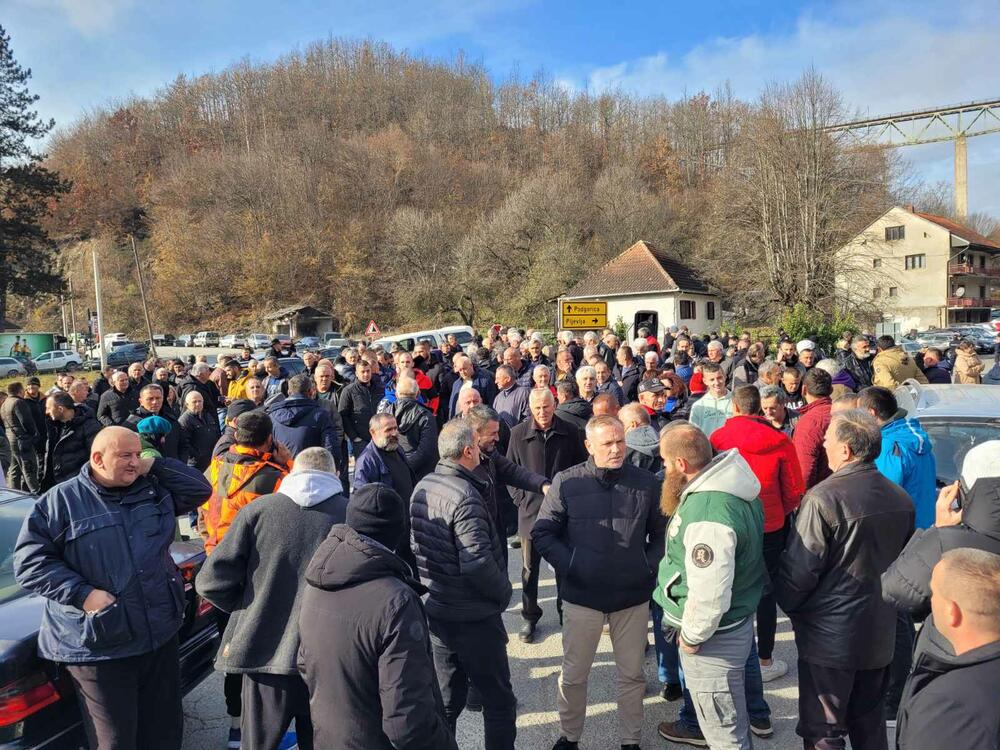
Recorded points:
(956, 123)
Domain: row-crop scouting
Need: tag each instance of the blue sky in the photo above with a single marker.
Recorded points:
(885, 56)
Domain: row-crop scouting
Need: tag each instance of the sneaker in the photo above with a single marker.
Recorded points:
(233, 743)
(672, 692)
(674, 732)
(761, 727)
(527, 634)
(777, 668)
(563, 744)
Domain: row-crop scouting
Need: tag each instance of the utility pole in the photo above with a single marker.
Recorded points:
(961, 178)
(142, 293)
(62, 312)
(72, 317)
(100, 313)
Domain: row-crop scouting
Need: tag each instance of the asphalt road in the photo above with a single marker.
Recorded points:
(534, 671)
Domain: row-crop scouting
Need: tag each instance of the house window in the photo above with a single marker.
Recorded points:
(982, 292)
(914, 262)
(687, 309)
(895, 233)
(893, 291)
(982, 261)
(876, 263)
(876, 292)
(710, 310)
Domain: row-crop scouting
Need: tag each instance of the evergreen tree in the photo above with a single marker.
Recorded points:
(27, 253)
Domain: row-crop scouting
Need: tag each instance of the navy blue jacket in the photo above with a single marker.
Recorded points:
(481, 381)
(81, 536)
(301, 423)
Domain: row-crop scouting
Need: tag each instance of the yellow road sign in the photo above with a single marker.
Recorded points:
(577, 315)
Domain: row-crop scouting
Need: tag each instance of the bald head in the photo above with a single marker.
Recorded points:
(467, 398)
(114, 457)
(684, 448)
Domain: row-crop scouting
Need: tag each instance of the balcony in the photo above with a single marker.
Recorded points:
(967, 269)
(973, 302)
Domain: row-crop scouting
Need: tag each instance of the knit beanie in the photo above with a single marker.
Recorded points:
(376, 511)
(154, 426)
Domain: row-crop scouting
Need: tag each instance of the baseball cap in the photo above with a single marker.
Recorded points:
(805, 344)
(651, 385)
(34, 381)
(239, 406)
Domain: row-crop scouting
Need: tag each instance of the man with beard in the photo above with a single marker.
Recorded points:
(382, 462)
(858, 363)
(711, 579)
(787, 353)
(600, 528)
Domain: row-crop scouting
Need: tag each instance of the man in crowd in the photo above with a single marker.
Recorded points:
(257, 572)
(471, 375)
(642, 442)
(417, 429)
(511, 401)
(572, 408)
(83, 397)
(892, 365)
(21, 430)
(810, 430)
(521, 369)
(769, 373)
(274, 377)
(199, 379)
(932, 369)
(118, 402)
(327, 393)
(300, 421)
(627, 373)
(357, 404)
(602, 580)
(950, 699)
(745, 372)
(774, 408)
(153, 404)
(711, 579)
(652, 396)
(127, 677)
(460, 557)
(255, 391)
(544, 444)
(365, 653)
(858, 362)
(849, 529)
(71, 433)
(712, 410)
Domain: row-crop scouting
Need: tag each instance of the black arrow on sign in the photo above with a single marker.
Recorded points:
(569, 308)
(594, 320)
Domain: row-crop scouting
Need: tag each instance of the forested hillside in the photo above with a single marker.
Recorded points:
(377, 184)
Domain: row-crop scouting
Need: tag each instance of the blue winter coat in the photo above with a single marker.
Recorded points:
(481, 381)
(370, 468)
(907, 459)
(300, 423)
(81, 536)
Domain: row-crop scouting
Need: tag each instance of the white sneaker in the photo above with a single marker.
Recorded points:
(777, 668)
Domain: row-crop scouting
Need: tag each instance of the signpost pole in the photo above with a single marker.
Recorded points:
(100, 313)
(72, 316)
(142, 293)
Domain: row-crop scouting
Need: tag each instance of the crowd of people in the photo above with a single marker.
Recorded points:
(358, 519)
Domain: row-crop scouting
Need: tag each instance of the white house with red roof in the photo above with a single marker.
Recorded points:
(921, 270)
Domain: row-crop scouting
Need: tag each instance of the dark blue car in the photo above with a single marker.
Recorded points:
(38, 707)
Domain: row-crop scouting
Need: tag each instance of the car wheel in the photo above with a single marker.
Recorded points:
(13, 373)
(72, 367)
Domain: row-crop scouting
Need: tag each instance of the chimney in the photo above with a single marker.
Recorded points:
(909, 207)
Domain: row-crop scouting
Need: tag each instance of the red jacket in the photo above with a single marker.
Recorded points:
(808, 437)
(772, 458)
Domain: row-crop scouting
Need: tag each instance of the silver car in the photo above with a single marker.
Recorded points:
(956, 417)
(11, 368)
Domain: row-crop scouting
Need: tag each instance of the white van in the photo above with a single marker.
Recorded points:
(435, 336)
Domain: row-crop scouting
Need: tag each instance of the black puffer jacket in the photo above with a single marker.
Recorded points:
(543, 453)
(849, 529)
(365, 651)
(67, 448)
(115, 408)
(417, 436)
(458, 547)
(175, 445)
(357, 404)
(861, 370)
(602, 531)
(576, 411)
(209, 392)
(906, 585)
(200, 436)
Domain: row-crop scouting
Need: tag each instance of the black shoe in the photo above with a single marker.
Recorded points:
(673, 731)
(631, 747)
(672, 692)
(474, 707)
(527, 634)
(563, 744)
(761, 727)
(515, 542)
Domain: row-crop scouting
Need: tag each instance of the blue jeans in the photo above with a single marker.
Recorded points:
(667, 662)
(757, 707)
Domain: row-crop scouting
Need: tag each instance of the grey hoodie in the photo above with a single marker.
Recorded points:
(309, 487)
(643, 444)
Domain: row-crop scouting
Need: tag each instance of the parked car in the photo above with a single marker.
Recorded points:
(335, 338)
(12, 368)
(163, 339)
(308, 342)
(232, 340)
(38, 706)
(185, 339)
(258, 341)
(292, 365)
(956, 417)
(126, 354)
(330, 352)
(58, 360)
(206, 338)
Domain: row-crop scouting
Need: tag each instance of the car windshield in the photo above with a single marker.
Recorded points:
(11, 517)
(953, 439)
